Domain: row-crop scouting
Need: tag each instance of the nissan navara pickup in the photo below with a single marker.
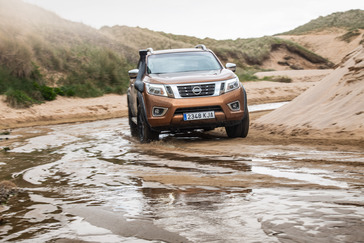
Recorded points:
(180, 90)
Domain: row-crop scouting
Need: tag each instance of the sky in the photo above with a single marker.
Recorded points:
(218, 19)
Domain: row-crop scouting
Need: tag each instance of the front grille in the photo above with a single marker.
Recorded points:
(180, 111)
(196, 90)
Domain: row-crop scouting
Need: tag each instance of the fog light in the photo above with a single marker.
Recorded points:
(234, 106)
(159, 111)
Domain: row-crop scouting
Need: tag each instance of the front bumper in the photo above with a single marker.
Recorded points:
(173, 118)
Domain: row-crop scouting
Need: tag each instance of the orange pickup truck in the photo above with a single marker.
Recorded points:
(185, 89)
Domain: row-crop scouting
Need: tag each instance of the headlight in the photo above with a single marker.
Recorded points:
(156, 89)
(160, 89)
(232, 84)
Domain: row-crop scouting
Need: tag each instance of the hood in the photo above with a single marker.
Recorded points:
(191, 77)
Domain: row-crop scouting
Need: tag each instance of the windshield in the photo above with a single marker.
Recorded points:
(182, 62)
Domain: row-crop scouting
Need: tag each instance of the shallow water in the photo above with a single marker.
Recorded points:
(93, 182)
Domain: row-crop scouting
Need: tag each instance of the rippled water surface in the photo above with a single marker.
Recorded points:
(92, 182)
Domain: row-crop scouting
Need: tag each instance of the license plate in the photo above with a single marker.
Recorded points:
(198, 115)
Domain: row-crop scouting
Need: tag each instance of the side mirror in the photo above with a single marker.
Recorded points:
(231, 66)
(139, 85)
(133, 73)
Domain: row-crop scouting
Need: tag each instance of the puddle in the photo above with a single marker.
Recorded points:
(80, 181)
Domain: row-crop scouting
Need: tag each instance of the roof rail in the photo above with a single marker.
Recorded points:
(203, 47)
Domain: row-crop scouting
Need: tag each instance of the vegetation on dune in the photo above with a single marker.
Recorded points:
(248, 74)
(88, 71)
(243, 52)
(101, 71)
(255, 51)
(42, 56)
(349, 36)
(352, 19)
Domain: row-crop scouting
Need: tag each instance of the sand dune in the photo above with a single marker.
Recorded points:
(334, 107)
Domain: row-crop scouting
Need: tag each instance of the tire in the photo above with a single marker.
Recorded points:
(145, 133)
(245, 125)
(132, 125)
(239, 130)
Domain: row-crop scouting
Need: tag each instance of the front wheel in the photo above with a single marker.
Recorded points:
(239, 130)
(145, 133)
